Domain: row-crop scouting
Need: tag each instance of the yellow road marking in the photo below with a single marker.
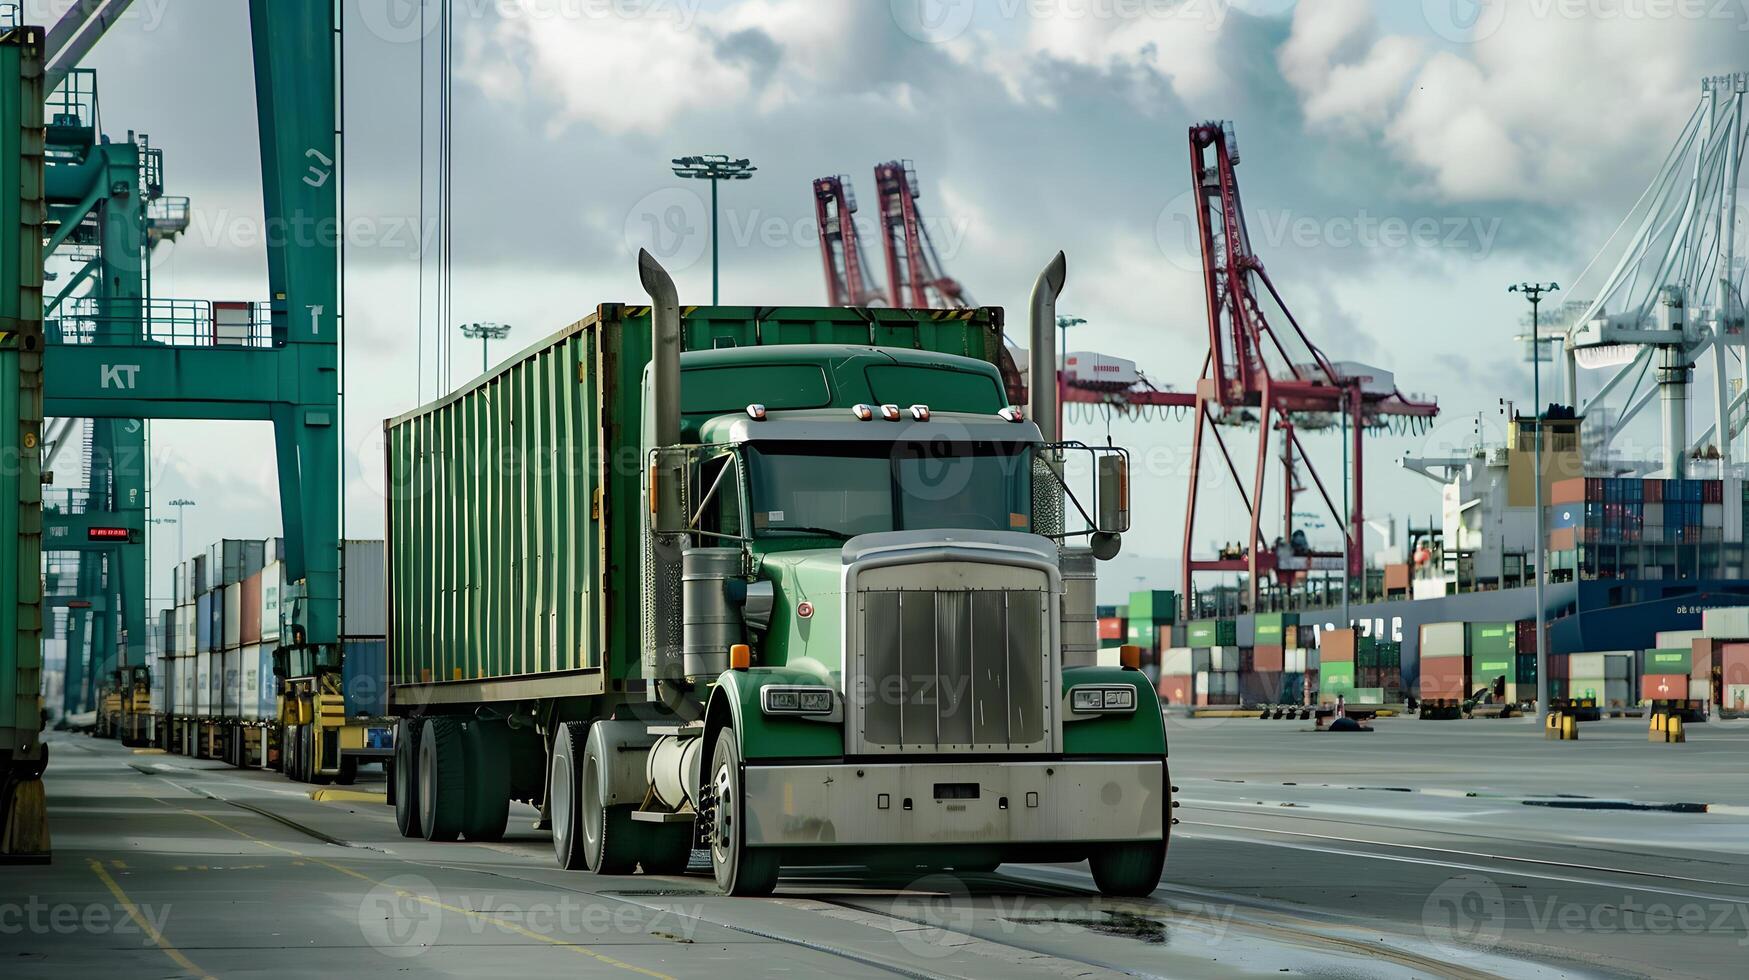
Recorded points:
(121, 865)
(140, 920)
(148, 751)
(503, 924)
(347, 796)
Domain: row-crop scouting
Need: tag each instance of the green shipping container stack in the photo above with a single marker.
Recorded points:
(1154, 605)
(1674, 661)
(1272, 627)
(1485, 668)
(1144, 634)
(1488, 639)
(1212, 633)
(1334, 678)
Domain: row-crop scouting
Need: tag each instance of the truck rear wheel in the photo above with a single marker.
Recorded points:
(442, 779)
(488, 794)
(610, 836)
(406, 771)
(564, 802)
(739, 869)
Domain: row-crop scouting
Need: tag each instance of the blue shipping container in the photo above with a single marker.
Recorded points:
(267, 685)
(216, 628)
(203, 623)
(364, 677)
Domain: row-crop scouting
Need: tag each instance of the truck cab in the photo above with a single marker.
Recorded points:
(883, 649)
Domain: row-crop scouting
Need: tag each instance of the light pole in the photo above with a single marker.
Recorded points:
(1534, 292)
(181, 505)
(713, 167)
(485, 333)
(1063, 325)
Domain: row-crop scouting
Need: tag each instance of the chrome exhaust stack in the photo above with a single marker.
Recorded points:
(1041, 379)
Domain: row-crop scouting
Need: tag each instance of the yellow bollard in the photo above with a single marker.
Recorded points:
(1675, 732)
(1569, 728)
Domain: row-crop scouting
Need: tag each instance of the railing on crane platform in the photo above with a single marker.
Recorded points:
(164, 322)
(73, 104)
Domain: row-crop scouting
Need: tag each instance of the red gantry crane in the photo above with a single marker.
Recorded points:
(849, 280)
(915, 279)
(1251, 376)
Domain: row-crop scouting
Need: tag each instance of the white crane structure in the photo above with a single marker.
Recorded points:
(1675, 291)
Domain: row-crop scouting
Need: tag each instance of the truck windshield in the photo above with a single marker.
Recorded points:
(845, 489)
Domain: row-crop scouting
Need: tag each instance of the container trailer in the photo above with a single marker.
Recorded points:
(794, 585)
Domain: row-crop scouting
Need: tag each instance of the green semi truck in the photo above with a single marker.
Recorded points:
(798, 586)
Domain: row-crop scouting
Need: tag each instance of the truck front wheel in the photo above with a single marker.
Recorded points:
(739, 869)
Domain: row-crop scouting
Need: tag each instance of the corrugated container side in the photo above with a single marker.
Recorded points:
(272, 588)
(230, 704)
(249, 611)
(1443, 640)
(266, 685)
(203, 630)
(1726, 623)
(203, 684)
(364, 591)
(249, 687)
(233, 615)
(364, 677)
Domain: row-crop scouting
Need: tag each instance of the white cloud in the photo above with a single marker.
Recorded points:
(1342, 70)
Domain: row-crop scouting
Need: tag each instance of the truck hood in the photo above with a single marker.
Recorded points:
(810, 576)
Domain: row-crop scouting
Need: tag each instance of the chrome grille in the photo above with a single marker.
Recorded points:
(946, 670)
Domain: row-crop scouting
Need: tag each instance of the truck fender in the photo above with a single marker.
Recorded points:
(620, 750)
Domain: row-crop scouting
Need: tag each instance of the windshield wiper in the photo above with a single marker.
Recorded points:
(840, 535)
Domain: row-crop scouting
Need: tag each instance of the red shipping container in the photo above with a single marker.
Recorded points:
(1705, 655)
(1176, 688)
(1563, 539)
(1266, 659)
(1445, 677)
(1664, 687)
(1112, 628)
(1712, 492)
(1734, 658)
(249, 622)
(1571, 491)
(1336, 646)
(1654, 491)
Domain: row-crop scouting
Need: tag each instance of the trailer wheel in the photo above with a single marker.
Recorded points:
(739, 869)
(610, 836)
(563, 799)
(488, 794)
(405, 777)
(443, 780)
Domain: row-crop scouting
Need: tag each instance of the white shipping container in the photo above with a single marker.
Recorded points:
(249, 684)
(1727, 623)
(1610, 665)
(1443, 640)
(1179, 661)
(1677, 639)
(233, 615)
(1734, 510)
(272, 586)
(1652, 515)
(203, 683)
(1223, 659)
(1713, 515)
(362, 588)
(1108, 657)
(1089, 369)
(1293, 660)
(156, 691)
(231, 684)
(1737, 697)
(185, 680)
(1700, 689)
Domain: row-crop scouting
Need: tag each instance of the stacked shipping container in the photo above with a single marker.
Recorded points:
(1627, 528)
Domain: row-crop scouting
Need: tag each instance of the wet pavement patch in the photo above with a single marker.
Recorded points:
(1619, 805)
(1111, 923)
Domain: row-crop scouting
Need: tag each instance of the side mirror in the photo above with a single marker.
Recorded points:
(667, 491)
(1113, 490)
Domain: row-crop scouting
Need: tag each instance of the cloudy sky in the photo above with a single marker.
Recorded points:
(1403, 162)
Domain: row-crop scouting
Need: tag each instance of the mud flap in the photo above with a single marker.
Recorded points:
(24, 821)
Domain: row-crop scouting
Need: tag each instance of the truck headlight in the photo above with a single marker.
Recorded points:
(1102, 698)
(796, 700)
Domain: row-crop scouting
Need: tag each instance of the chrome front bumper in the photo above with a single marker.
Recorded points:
(1014, 803)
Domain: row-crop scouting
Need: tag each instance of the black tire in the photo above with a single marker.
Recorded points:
(488, 793)
(610, 836)
(739, 869)
(666, 848)
(1134, 870)
(443, 779)
(563, 809)
(405, 777)
(312, 765)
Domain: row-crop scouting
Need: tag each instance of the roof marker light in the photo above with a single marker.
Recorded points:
(756, 412)
(890, 413)
(1013, 413)
(920, 412)
(862, 412)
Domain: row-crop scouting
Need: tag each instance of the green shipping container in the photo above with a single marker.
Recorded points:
(1487, 639)
(1154, 605)
(1484, 669)
(1270, 627)
(1334, 677)
(21, 411)
(1676, 661)
(1212, 633)
(532, 572)
(1142, 634)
